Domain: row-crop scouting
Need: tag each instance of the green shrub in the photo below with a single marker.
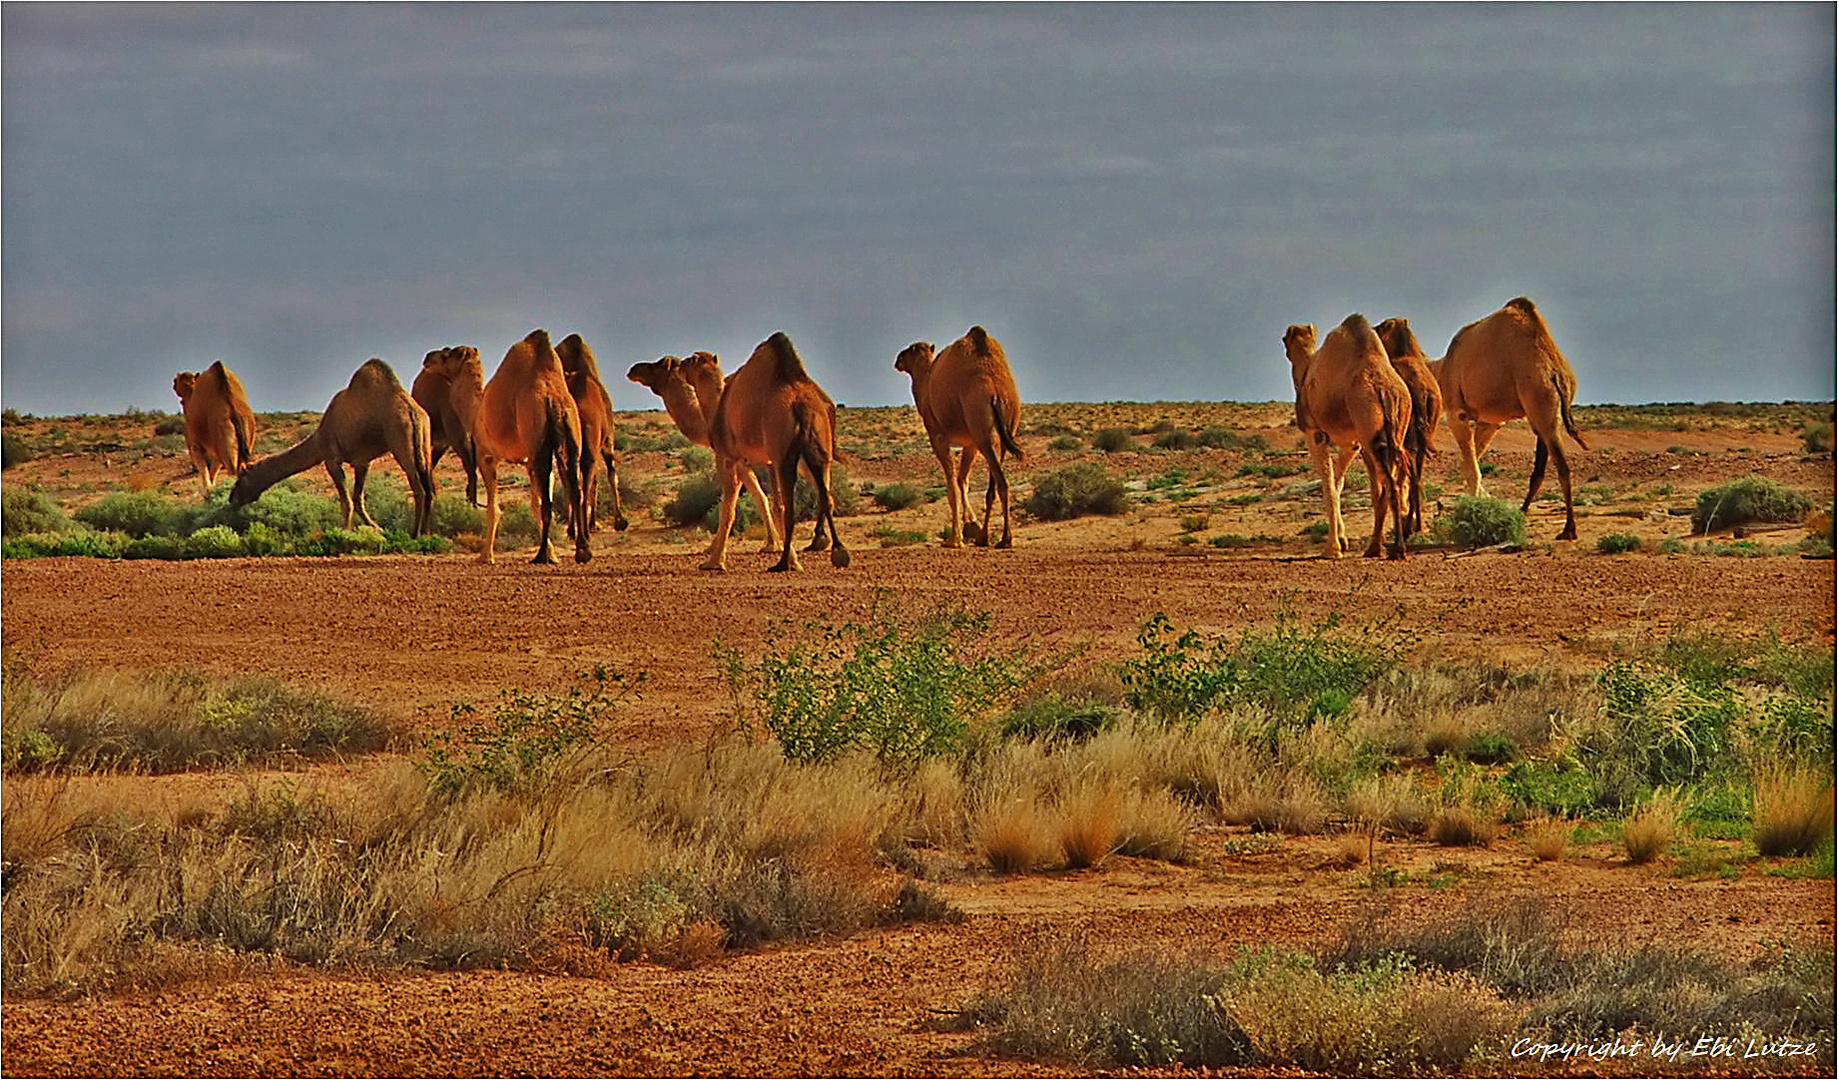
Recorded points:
(360, 541)
(1053, 716)
(515, 747)
(213, 542)
(289, 510)
(154, 547)
(698, 496)
(1075, 491)
(1299, 674)
(1817, 437)
(1753, 499)
(898, 496)
(29, 510)
(1618, 543)
(1481, 521)
(1065, 443)
(904, 687)
(1220, 438)
(1176, 439)
(695, 459)
(844, 498)
(453, 515)
(13, 450)
(1112, 439)
(137, 513)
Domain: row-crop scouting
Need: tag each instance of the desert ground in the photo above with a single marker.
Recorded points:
(412, 635)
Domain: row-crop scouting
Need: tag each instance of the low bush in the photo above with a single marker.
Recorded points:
(1076, 491)
(29, 510)
(1617, 543)
(1480, 521)
(898, 496)
(1793, 811)
(1647, 833)
(138, 513)
(1111, 440)
(1751, 500)
(14, 450)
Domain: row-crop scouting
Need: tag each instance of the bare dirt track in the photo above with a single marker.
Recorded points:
(414, 635)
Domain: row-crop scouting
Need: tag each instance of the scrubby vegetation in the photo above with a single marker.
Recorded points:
(1750, 500)
(1480, 521)
(1076, 491)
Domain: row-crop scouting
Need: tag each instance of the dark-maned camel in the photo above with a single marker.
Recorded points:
(1408, 360)
(772, 413)
(1347, 394)
(1499, 369)
(434, 391)
(595, 407)
(966, 398)
(372, 416)
(219, 426)
(692, 411)
(525, 415)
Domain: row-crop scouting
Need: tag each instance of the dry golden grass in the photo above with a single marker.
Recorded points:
(1548, 838)
(1647, 833)
(1793, 810)
(1088, 823)
(1015, 836)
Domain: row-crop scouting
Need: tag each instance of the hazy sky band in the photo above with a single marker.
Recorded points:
(1136, 199)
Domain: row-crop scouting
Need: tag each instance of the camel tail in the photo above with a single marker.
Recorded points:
(1003, 432)
(241, 423)
(1564, 411)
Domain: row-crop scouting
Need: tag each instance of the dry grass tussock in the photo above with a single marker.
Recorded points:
(1648, 832)
(1793, 810)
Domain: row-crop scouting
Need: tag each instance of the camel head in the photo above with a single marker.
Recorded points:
(576, 357)
(182, 384)
(702, 368)
(1395, 334)
(245, 490)
(452, 361)
(915, 359)
(1299, 342)
(655, 375)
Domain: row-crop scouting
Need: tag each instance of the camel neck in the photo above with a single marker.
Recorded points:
(275, 468)
(684, 407)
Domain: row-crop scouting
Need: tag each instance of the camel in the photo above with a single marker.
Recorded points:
(1499, 369)
(1347, 393)
(372, 416)
(692, 410)
(772, 413)
(434, 392)
(966, 398)
(525, 415)
(219, 426)
(595, 407)
(1408, 360)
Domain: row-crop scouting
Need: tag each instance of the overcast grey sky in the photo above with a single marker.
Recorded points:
(1135, 199)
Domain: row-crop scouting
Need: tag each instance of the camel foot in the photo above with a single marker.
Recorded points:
(619, 524)
(713, 564)
(839, 558)
(771, 547)
(1332, 551)
(954, 542)
(1569, 533)
(820, 544)
(974, 533)
(582, 554)
(785, 565)
(1006, 543)
(1372, 551)
(544, 557)
(486, 557)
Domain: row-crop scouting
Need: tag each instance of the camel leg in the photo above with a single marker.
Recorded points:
(539, 473)
(1464, 433)
(769, 512)
(488, 472)
(469, 460)
(819, 541)
(1555, 449)
(619, 515)
(954, 495)
(787, 479)
(839, 556)
(337, 472)
(999, 486)
(974, 533)
(574, 491)
(717, 557)
(1331, 494)
(360, 472)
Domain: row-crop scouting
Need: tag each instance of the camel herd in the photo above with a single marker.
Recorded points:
(1365, 390)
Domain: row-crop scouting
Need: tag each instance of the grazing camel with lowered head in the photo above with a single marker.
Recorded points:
(692, 408)
(219, 425)
(525, 415)
(372, 416)
(772, 413)
(595, 407)
(434, 391)
(966, 398)
(1499, 369)
(1408, 360)
(1348, 394)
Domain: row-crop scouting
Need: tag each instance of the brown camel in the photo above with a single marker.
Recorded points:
(434, 392)
(1408, 360)
(525, 415)
(372, 416)
(772, 413)
(595, 407)
(219, 426)
(1348, 394)
(1499, 369)
(966, 398)
(692, 410)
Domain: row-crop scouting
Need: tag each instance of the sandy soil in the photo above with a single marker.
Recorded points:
(414, 635)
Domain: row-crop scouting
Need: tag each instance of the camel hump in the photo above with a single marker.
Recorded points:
(1356, 324)
(1522, 304)
(538, 339)
(786, 362)
(980, 338)
(218, 372)
(375, 371)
